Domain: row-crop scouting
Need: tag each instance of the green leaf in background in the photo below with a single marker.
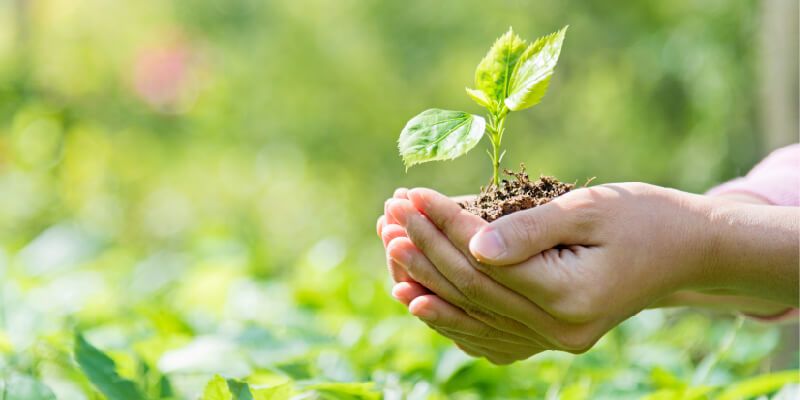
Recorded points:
(282, 391)
(347, 391)
(493, 75)
(217, 389)
(530, 78)
(102, 372)
(438, 134)
(23, 387)
(240, 390)
(760, 385)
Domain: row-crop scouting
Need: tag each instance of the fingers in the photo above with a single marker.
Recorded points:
(397, 272)
(390, 232)
(438, 313)
(456, 223)
(405, 292)
(478, 349)
(475, 286)
(402, 251)
(515, 238)
(399, 193)
(381, 223)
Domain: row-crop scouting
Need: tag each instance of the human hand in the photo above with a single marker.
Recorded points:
(683, 240)
(561, 298)
(474, 333)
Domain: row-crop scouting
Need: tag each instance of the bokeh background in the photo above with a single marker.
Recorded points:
(194, 184)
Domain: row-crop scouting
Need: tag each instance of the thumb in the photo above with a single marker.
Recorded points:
(517, 237)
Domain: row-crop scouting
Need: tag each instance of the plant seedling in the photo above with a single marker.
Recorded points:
(513, 76)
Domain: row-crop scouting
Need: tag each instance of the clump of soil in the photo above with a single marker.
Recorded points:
(519, 194)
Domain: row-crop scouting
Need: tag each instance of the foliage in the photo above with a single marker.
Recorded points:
(511, 77)
(193, 188)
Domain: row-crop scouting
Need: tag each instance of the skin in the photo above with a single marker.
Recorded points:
(559, 276)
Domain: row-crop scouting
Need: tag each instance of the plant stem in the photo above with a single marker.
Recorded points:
(496, 162)
(495, 132)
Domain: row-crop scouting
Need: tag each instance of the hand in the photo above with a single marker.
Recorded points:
(476, 336)
(599, 256)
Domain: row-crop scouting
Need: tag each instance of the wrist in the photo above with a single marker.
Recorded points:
(750, 250)
(692, 258)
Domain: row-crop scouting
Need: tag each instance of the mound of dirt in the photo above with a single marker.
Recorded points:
(515, 195)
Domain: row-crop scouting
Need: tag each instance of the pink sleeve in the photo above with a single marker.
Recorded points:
(776, 179)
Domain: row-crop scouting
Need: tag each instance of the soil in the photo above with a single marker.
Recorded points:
(518, 194)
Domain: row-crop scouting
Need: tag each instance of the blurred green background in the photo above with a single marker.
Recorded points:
(194, 185)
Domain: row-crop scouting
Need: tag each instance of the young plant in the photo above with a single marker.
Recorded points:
(513, 76)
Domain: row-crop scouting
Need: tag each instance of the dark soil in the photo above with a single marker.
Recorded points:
(519, 194)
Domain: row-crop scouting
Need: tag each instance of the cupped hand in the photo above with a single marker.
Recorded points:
(558, 276)
(477, 332)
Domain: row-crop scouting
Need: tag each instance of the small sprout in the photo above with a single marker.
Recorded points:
(513, 76)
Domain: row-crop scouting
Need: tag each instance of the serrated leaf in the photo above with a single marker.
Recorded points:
(102, 372)
(480, 97)
(493, 74)
(530, 79)
(439, 135)
(217, 389)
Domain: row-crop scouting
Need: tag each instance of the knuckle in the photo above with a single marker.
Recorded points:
(640, 188)
(584, 210)
(526, 228)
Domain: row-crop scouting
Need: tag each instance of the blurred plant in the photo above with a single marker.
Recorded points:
(162, 76)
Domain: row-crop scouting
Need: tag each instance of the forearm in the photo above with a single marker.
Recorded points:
(721, 302)
(752, 251)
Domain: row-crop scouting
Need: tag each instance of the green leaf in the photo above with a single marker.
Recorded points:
(102, 372)
(760, 385)
(532, 74)
(240, 390)
(439, 135)
(217, 389)
(23, 387)
(480, 97)
(493, 75)
(347, 391)
(282, 391)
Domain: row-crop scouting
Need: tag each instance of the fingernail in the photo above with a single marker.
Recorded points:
(487, 244)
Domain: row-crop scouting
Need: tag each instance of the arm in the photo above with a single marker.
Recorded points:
(586, 261)
(722, 299)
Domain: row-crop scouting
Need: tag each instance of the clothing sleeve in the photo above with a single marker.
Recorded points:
(776, 180)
